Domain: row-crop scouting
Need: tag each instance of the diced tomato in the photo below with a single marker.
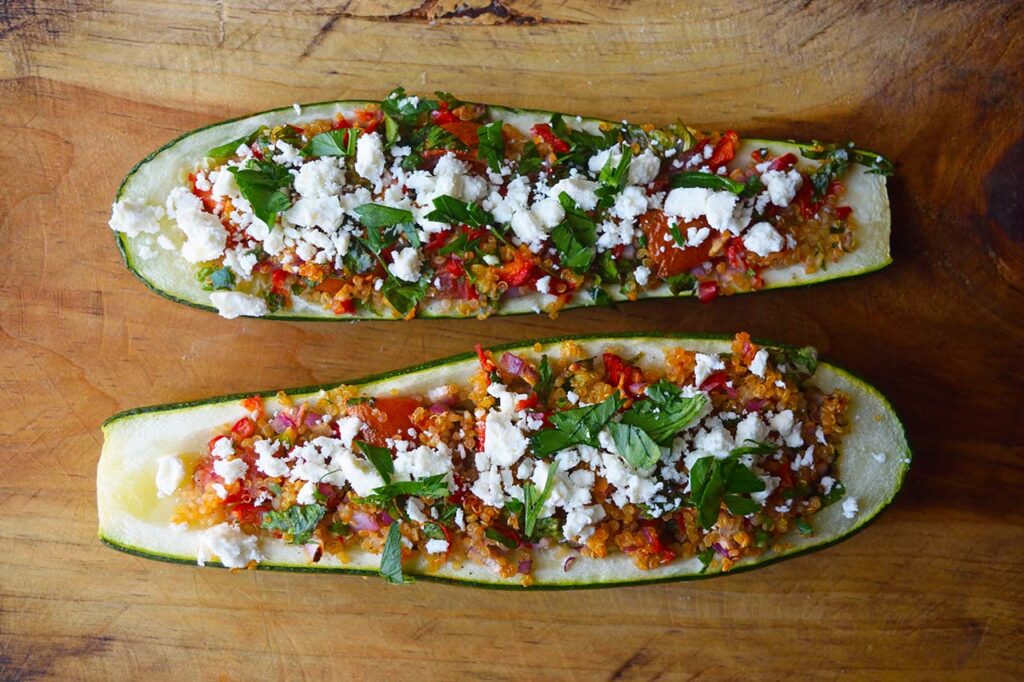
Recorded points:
(725, 150)
(246, 512)
(368, 120)
(385, 418)
(345, 306)
(520, 271)
(714, 380)
(458, 288)
(332, 494)
(784, 162)
(544, 132)
(734, 252)
(707, 291)
(804, 199)
(481, 434)
(486, 364)
(620, 373)
(438, 240)
(341, 122)
(669, 258)
(330, 285)
(442, 115)
(278, 281)
(454, 267)
(657, 546)
(244, 428)
(843, 212)
(466, 131)
(257, 151)
(526, 403)
(253, 403)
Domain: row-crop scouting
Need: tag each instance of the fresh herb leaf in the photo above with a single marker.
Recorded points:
(601, 298)
(705, 558)
(613, 178)
(717, 182)
(665, 411)
(578, 426)
(575, 236)
(533, 502)
(529, 160)
(500, 538)
(545, 379)
(333, 143)
(406, 110)
(713, 481)
(404, 296)
(340, 528)
(275, 301)
(299, 521)
(439, 138)
(582, 145)
(683, 282)
(634, 445)
(514, 506)
(800, 363)
(837, 493)
(380, 458)
(379, 215)
(876, 163)
(492, 145)
(391, 132)
(434, 532)
(462, 243)
(221, 278)
(264, 185)
(740, 506)
(391, 557)
(431, 486)
(804, 527)
(227, 150)
(758, 448)
(358, 260)
(607, 268)
(448, 209)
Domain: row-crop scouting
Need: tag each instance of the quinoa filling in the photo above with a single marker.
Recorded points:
(456, 206)
(713, 456)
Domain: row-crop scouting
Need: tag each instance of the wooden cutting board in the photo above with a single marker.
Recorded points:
(934, 589)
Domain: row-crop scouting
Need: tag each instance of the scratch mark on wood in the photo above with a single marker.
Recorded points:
(220, 23)
(328, 25)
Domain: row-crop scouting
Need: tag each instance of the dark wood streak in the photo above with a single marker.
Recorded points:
(638, 659)
(1004, 193)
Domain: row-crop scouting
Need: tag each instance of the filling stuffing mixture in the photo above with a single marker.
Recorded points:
(439, 203)
(708, 456)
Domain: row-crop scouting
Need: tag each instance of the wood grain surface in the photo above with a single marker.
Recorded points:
(933, 590)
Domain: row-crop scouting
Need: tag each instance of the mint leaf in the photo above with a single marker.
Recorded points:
(634, 445)
(431, 486)
(800, 363)
(533, 502)
(579, 426)
(500, 538)
(665, 411)
(713, 481)
(575, 236)
(399, 106)
(380, 458)
(758, 448)
(705, 558)
(391, 557)
(299, 521)
(717, 182)
(404, 296)
(529, 160)
(683, 282)
(340, 142)
(492, 145)
(837, 493)
(434, 532)
(379, 215)
(545, 379)
(264, 185)
(448, 209)
(227, 150)
(613, 178)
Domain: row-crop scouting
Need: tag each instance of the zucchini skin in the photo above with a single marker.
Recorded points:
(872, 263)
(636, 577)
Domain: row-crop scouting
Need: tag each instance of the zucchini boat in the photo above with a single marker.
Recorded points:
(444, 208)
(575, 462)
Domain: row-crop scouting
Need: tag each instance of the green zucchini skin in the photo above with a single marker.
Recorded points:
(879, 429)
(868, 195)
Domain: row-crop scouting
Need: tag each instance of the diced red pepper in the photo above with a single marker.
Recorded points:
(244, 428)
(725, 150)
(544, 132)
(620, 373)
(438, 240)
(343, 306)
(209, 203)
(714, 380)
(526, 403)
(843, 212)
(341, 122)
(253, 403)
(520, 271)
(486, 364)
(465, 131)
(784, 162)
(454, 267)
(707, 291)
(442, 115)
(278, 281)
(734, 252)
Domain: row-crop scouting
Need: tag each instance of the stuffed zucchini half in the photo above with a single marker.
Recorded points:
(444, 208)
(576, 462)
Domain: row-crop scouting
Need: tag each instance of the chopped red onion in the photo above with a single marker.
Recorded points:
(438, 408)
(525, 567)
(363, 521)
(281, 422)
(312, 419)
(512, 363)
(385, 518)
(568, 564)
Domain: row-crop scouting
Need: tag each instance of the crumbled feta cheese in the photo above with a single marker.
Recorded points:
(850, 507)
(782, 186)
(436, 546)
(695, 236)
(762, 239)
(134, 217)
(788, 428)
(265, 460)
(359, 473)
(370, 157)
(205, 235)
(414, 510)
(422, 462)
(579, 189)
(826, 484)
(230, 470)
(528, 229)
(222, 448)
(725, 211)
(406, 264)
(752, 428)
(642, 275)
(630, 203)
(548, 211)
(706, 365)
(231, 304)
(228, 544)
(321, 178)
(759, 363)
(644, 168)
(170, 472)
(687, 203)
(544, 284)
(504, 443)
(879, 457)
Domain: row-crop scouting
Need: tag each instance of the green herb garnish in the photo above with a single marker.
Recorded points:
(299, 521)
(575, 236)
(380, 458)
(431, 486)
(578, 426)
(492, 145)
(534, 503)
(665, 411)
(340, 142)
(265, 186)
(717, 182)
(391, 557)
(713, 481)
(634, 445)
